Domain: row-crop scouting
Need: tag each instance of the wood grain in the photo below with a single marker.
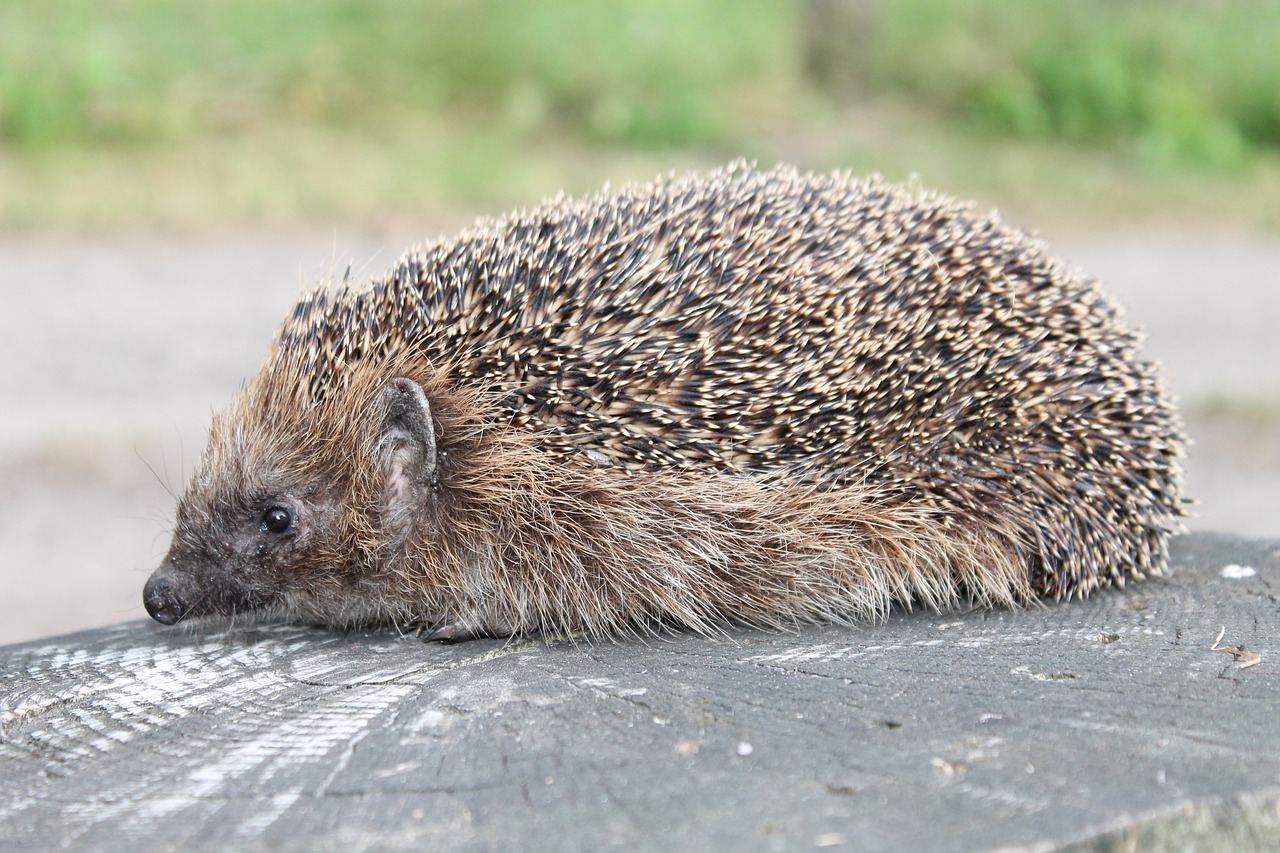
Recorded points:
(1046, 727)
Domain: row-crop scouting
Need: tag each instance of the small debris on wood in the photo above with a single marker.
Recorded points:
(1236, 572)
(842, 790)
(1244, 659)
(947, 768)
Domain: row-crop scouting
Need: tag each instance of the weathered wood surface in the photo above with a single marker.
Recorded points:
(1042, 728)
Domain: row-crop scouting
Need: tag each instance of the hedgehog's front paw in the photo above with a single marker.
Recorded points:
(439, 630)
(454, 632)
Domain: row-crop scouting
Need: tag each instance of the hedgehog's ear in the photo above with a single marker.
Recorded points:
(406, 446)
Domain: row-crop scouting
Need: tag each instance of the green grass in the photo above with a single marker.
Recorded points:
(137, 72)
(161, 113)
(1187, 82)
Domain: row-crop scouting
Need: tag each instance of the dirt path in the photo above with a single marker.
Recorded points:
(118, 350)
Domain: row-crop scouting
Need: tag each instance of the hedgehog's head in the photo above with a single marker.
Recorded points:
(297, 504)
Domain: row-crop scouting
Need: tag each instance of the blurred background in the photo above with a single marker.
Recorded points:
(173, 174)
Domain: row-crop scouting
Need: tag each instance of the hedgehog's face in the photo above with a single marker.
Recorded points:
(247, 539)
(273, 524)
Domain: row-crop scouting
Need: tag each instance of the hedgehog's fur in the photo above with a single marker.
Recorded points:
(753, 396)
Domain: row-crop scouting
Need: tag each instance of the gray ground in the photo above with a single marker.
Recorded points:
(119, 349)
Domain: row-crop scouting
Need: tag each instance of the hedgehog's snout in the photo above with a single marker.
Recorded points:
(163, 599)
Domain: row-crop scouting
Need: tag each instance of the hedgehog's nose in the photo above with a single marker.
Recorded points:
(160, 597)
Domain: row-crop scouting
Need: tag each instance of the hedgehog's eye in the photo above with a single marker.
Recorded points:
(277, 519)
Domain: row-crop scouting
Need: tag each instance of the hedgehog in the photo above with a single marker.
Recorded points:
(750, 397)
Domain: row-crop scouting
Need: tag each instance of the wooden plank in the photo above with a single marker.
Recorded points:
(1047, 727)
